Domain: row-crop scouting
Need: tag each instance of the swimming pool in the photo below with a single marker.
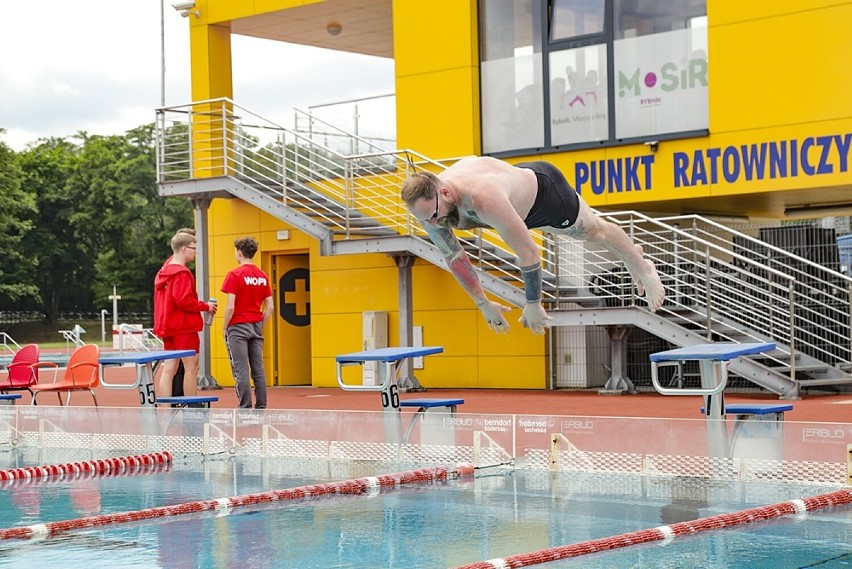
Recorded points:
(442, 524)
(581, 479)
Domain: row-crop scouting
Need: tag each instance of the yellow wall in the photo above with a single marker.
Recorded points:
(440, 87)
(437, 99)
(230, 220)
(437, 77)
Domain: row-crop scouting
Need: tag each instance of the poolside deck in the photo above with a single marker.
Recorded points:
(822, 408)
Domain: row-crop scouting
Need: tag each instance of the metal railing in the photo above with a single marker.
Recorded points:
(135, 338)
(722, 284)
(73, 336)
(367, 118)
(7, 342)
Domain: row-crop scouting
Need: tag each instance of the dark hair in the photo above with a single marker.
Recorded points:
(247, 246)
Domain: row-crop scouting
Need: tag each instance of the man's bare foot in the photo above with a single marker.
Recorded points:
(638, 277)
(655, 294)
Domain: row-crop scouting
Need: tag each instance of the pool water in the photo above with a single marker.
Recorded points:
(499, 513)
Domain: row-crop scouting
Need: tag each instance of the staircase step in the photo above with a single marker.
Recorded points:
(365, 232)
(813, 368)
(826, 381)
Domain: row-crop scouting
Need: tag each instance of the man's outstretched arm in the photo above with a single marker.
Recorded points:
(462, 269)
(501, 215)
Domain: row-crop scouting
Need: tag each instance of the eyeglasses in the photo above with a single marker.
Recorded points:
(437, 205)
(191, 247)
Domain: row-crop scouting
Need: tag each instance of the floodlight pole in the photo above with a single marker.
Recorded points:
(162, 54)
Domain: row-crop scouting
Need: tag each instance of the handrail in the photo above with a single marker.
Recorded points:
(129, 332)
(7, 339)
(768, 246)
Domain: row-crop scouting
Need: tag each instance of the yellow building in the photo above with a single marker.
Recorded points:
(723, 108)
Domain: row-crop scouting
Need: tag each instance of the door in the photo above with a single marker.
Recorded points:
(293, 319)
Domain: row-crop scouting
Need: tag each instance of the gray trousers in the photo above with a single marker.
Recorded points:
(245, 350)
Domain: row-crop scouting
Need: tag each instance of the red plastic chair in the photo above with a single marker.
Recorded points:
(81, 373)
(22, 371)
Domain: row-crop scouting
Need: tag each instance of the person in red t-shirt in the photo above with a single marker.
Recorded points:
(177, 314)
(247, 288)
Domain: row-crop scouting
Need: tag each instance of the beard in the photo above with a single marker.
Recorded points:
(453, 219)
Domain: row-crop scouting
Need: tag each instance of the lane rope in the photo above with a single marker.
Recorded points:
(99, 466)
(352, 487)
(669, 532)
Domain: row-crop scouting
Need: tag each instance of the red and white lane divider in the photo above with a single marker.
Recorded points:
(838, 498)
(357, 486)
(100, 466)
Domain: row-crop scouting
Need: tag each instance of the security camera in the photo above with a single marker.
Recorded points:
(183, 6)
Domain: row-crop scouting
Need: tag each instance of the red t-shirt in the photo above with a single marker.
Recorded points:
(250, 287)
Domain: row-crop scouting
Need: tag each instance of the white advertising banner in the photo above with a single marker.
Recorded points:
(661, 83)
(578, 95)
(512, 103)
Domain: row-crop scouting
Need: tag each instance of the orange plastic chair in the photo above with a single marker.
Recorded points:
(22, 371)
(81, 373)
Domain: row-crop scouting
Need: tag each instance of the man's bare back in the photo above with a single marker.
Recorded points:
(478, 180)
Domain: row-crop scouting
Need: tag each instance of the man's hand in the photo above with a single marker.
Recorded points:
(535, 318)
(493, 313)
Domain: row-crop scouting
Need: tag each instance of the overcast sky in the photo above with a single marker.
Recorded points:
(94, 66)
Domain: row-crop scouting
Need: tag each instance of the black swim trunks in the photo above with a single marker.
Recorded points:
(556, 203)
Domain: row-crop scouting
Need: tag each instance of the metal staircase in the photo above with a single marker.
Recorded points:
(343, 190)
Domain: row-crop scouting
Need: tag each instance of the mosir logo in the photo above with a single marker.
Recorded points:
(670, 77)
(255, 281)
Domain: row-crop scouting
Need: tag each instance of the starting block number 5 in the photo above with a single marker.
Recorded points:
(146, 394)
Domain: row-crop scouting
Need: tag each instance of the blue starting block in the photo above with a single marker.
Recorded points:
(9, 398)
(713, 365)
(391, 361)
(146, 363)
(424, 404)
(757, 430)
(196, 401)
(766, 411)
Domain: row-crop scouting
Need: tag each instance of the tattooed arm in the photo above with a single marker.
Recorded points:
(462, 269)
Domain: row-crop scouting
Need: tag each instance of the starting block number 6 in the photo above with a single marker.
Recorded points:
(390, 396)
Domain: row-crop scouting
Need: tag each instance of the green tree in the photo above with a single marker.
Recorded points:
(100, 220)
(134, 237)
(17, 211)
(121, 221)
(53, 244)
